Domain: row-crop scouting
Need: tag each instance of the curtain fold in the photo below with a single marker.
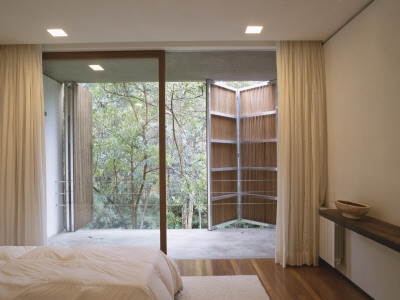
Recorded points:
(22, 147)
(302, 150)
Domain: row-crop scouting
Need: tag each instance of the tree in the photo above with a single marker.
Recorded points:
(126, 157)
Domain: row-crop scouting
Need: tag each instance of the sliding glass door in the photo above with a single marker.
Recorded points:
(114, 131)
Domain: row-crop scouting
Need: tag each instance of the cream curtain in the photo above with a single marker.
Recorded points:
(22, 147)
(301, 150)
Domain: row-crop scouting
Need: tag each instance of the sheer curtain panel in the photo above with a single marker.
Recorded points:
(301, 150)
(22, 147)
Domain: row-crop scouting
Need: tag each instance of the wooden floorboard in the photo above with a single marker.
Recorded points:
(321, 282)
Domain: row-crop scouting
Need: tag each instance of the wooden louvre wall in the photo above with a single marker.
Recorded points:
(259, 151)
(253, 207)
(223, 100)
(223, 128)
(82, 153)
(223, 155)
(257, 144)
(256, 100)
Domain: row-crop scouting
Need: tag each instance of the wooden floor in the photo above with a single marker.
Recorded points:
(321, 282)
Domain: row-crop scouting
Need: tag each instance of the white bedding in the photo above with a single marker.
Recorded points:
(87, 272)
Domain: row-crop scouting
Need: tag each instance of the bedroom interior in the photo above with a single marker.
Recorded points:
(348, 132)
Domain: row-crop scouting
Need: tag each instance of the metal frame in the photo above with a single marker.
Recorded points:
(209, 200)
(69, 96)
(239, 164)
(272, 112)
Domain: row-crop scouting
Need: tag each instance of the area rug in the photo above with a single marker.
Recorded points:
(222, 288)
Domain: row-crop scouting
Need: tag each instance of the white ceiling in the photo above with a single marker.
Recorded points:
(169, 24)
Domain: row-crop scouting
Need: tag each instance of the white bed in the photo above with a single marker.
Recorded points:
(87, 272)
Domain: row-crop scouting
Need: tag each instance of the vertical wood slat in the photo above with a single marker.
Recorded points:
(257, 100)
(258, 128)
(224, 210)
(82, 153)
(259, 182)
(223, 100)
(223, 128)
(259, 155)
(260, 210)
(223, 183)
(223, 155)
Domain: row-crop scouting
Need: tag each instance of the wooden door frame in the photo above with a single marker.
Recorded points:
(160, 56)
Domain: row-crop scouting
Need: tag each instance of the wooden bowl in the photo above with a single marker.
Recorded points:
(352, 210)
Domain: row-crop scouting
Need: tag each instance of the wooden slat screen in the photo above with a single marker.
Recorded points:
(223, 128)
(223, 100)
(82, 153)
(257, 100)
(223, 155)
(258, 154)
(258, 150)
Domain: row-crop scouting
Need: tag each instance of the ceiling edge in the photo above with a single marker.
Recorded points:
(167, 46)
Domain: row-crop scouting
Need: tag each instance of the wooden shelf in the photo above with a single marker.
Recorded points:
(223, 141)
(266, 113)
(374, 229)
(260, 141)
(220, 114)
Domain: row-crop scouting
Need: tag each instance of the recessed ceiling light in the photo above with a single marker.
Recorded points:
(253, 29)
(57, 32)
(96, 67)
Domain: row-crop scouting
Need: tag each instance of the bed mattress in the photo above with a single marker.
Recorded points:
(87, 272)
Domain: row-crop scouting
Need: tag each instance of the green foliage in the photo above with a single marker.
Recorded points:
(126, 155)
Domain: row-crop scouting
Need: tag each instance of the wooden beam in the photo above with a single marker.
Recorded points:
(162, 174)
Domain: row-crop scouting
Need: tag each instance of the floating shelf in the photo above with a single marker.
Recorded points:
(374, 229)
(219, 114)
(259, 168)
(266, 113)
(223, 141)
(259, 141)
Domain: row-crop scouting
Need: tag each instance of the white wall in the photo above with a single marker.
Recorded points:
(363, 110)
(54, 171)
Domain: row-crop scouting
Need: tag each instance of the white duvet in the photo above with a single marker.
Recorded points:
(87, 272)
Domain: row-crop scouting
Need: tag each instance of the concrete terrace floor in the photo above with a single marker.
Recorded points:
(181, 243)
